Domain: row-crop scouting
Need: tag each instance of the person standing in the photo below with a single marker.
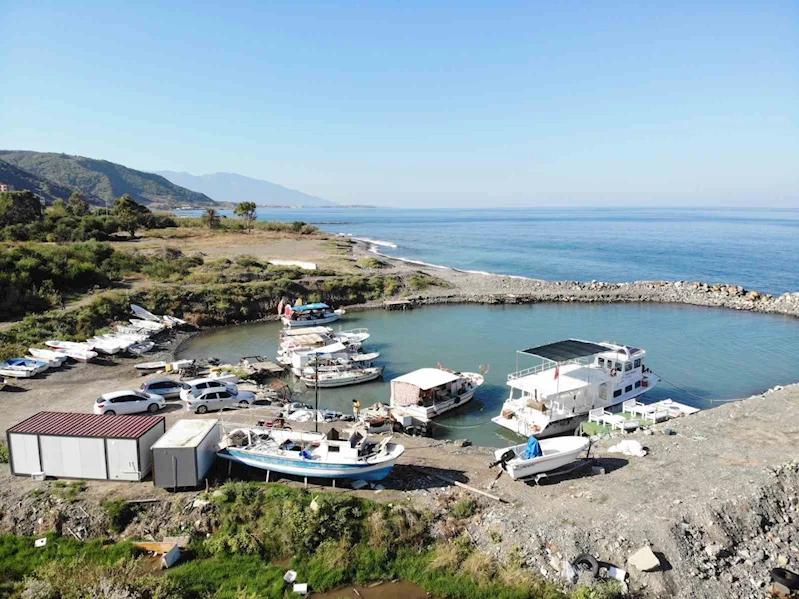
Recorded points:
(356, 408)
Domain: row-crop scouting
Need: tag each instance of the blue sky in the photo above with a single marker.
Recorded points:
(421, 103)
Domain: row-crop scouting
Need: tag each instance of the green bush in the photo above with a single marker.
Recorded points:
(4, 455)
(119, 513)
(463, 508)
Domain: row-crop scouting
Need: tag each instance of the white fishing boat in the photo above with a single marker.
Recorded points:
(555, 453)
(429, 392)
(48, 355)
(80, 352)
(336, 354)
(22, 368)
(342, 378)
(169, 321)
(155, 327)
(150, 367)
(129, 329)
(302, 366)
(107, 346)
(137, 349)
(572, 378)
(308, 315)
(310, 454)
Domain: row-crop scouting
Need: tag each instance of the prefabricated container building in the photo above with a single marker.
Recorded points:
(93, 446)
(183, 456)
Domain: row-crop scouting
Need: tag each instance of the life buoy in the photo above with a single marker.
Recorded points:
(536, 428)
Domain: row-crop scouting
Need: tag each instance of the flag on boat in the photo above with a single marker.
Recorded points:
(557, 371)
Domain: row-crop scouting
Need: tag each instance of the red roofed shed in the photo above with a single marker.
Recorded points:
(72, 445)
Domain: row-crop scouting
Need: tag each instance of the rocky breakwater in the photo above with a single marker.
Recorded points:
(511, 290)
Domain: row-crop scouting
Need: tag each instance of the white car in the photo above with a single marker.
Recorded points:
(166, 388)
(128, 402)
(197, 386)
(216, 399)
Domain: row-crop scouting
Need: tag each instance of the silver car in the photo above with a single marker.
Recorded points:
(166, 388)
(216, 399)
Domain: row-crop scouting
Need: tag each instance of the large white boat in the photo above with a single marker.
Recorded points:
(429, 392)
(573, 378)
(310, 454)
(308, 315)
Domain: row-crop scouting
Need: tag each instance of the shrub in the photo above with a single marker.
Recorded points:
(4, 455)
(463, 508)
(119, 513)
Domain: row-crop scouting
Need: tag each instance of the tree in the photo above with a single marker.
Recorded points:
(129, 213)
(19, 207)
(77, 206)
(246, 210)
(211, 218)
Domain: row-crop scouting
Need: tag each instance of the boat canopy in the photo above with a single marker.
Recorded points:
(563, 351)
(306, 307)
(305, 340)
(333, 348)
(427, 378)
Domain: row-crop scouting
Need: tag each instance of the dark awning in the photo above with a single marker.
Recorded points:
(561, 351)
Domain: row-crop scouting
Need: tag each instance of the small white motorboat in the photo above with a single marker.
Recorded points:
(308, 315)
(55, 358)
(22, 367)
(310, 454)
(343, 377)
(167, 320)
(81, 352)
(137, 349)
(155, 327)
(150, 367)
(557, 452)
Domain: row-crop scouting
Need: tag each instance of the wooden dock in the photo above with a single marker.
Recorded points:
(261, 364)
(398, 304)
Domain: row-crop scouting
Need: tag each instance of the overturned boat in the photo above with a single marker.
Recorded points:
(309, 454)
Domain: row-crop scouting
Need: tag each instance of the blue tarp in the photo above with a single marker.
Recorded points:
(533, 449)
(309, 307)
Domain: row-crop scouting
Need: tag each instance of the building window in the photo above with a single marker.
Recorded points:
(628, 388)
(637, 384)
(637, 362)
(617, 393)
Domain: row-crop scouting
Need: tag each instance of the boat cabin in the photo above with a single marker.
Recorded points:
(428, 391)
(575, 376)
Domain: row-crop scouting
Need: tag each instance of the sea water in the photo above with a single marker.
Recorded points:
(704, 354)
(757, 249)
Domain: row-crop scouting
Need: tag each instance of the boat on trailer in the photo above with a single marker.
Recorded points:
(310, 454)
(429, 392)
(555, 453)
(573, 378)
(309, 315)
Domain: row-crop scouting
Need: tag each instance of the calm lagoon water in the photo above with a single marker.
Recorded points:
(708, 353)
(753, 248)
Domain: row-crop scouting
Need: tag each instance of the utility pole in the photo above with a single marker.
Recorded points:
(316, 393)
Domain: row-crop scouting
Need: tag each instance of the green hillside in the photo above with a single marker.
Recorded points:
(49, 190)
(105, 180)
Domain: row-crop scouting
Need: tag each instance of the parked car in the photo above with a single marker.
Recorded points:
(193, 388)
(215, 399)
(166, 388)
(128, 402)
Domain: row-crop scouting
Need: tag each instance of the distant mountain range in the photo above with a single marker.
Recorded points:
(58, 175)
(230, 187)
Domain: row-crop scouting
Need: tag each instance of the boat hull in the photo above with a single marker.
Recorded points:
(292, 324)
(309, 468)
(328, 384)
(557, 452)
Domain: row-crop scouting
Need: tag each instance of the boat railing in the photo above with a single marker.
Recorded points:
(359, 331)
(527, 372)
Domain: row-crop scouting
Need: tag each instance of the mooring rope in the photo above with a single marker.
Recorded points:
(702, 397)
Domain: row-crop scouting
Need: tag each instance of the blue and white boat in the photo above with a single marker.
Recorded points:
(310, 454)
(22, 367)
(308, 315)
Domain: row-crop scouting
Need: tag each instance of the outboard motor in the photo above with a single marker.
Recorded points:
(503, 459)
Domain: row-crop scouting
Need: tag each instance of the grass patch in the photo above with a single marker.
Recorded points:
(463, 508)
(4, 455)
(119, 513)
(421, 281)
(371, 263)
